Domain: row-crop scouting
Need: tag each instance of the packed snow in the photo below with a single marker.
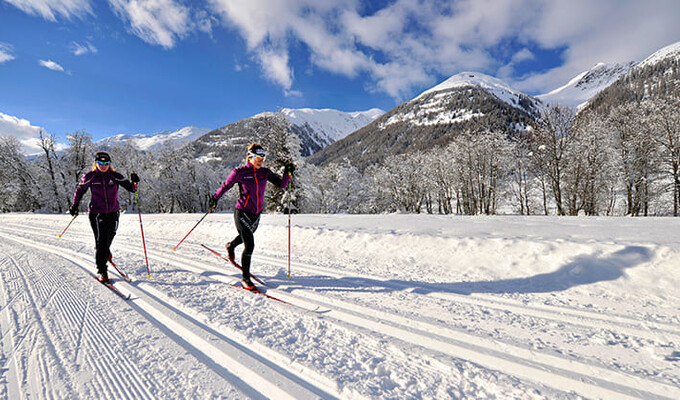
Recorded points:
(381, 307)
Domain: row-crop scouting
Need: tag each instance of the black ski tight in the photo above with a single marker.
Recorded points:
(246, 225)
(104, 227)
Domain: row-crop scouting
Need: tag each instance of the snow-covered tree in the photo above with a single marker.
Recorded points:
(549, 145)
(638, 153)
(664, 120)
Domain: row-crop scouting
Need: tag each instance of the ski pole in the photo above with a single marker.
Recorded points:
(121, 273)
(290, 176)
(192, 229)
(69, 224)
(141, 227)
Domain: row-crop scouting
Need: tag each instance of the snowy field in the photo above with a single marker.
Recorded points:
(383, 307)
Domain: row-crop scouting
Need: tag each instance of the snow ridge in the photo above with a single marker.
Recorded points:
(495, 86)
(330, 124)
(584, 86)
(670, 51)
(146, 142)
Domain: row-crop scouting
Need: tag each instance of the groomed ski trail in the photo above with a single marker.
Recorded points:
(557, 372)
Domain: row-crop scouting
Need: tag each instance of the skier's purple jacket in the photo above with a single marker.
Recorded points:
(251, 185)
(104, 187)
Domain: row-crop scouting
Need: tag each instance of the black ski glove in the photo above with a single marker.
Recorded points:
(134, 178)
(289, 168)
(73, 210)
(212, 203)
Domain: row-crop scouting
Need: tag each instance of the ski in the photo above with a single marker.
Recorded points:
(121, 273)
(234, 263)
(113, 288)
(258, 291)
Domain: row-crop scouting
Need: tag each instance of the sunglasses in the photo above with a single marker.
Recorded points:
(257, 156)
(103, 162)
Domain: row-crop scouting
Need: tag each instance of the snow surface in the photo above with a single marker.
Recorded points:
(146, 142)
(578, 91)
(384, 307)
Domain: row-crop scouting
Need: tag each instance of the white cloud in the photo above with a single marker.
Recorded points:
(410, 43)
(51, 65)
(607, 31)
(158, 22)
(50, 9)
(81, 49)
(275, 66)
(21, 129)
(6, 53)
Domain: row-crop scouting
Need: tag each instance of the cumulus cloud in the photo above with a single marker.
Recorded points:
(50, 9)
(405, 45)
(604, 31)
(81, 49)
(409, 43)
(51, 65)
(158, 22)
(22, 129)
(6, 53)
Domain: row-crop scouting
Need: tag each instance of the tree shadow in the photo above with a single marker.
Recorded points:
(583, 270)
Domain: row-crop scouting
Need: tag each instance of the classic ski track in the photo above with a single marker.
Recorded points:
(549, 370)
(34, 385)
(633, 327)
(98, 342)
(209, 344)
(7, 343)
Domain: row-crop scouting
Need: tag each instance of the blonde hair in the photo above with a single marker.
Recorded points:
(94, 166)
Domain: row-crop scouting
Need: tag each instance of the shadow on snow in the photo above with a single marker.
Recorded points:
(583, 270)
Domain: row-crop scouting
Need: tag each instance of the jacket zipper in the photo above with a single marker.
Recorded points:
(106, 194)
(257, 191)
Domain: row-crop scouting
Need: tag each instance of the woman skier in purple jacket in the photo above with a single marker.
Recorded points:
(252, 181)
(104, 209)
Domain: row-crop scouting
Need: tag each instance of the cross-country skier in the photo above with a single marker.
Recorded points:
(252, 181)
(104, 209)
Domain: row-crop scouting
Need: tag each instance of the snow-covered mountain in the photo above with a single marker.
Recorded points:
(331, 125)
(492, 85)
(578, 91)
(671, 51)
(315, 128)
(657, 77)
(461, 103)
(153, 141)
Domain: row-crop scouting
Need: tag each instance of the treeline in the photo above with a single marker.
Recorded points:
(172, 180)
(625, 163)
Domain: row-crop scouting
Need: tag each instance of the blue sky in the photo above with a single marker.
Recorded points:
(144, 66)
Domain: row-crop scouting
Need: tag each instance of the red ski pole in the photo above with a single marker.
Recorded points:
(141, 227)
(192, 229)
(290, 176)
(69, 224)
